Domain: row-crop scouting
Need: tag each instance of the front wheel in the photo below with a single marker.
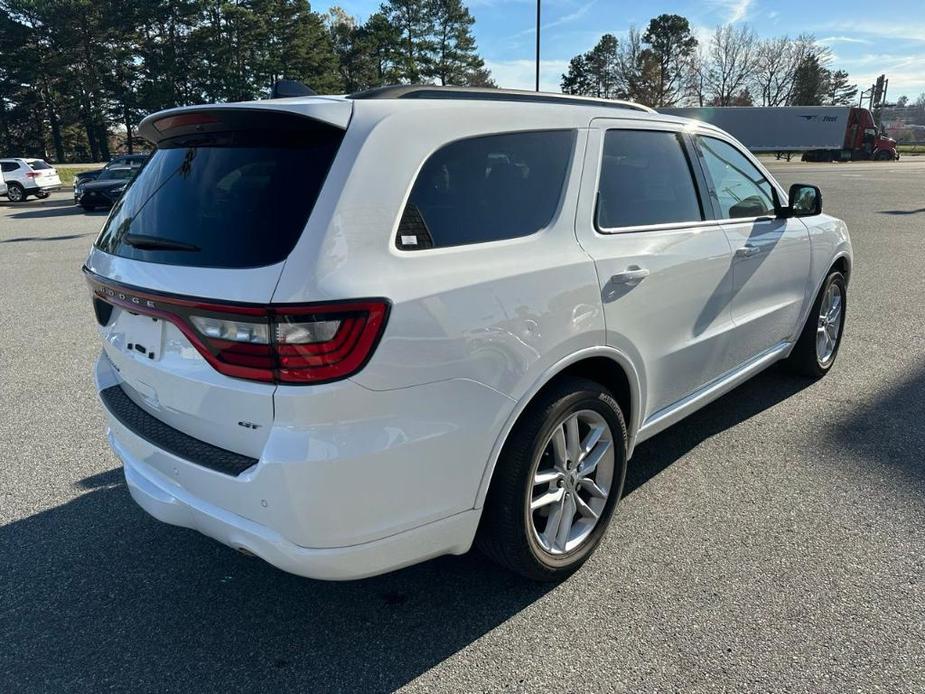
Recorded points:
(87, 207)
(817, 346)
(556, 483)
(883, 155)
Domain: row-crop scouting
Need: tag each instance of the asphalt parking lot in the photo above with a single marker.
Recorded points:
(774, 541)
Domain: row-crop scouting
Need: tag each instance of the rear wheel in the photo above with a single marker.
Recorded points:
(817, 347)
(15, 192)
(42, 194)
(556, 483)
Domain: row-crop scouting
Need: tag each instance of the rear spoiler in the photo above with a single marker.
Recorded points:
(192, 120)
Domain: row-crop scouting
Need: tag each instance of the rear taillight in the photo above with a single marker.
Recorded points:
(283, 343)
(32, 174)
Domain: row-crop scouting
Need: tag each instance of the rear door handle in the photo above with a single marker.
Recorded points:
(633, 273)
(747, 251)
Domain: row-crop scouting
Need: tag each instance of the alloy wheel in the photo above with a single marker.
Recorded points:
(572, 479)
(829, 324)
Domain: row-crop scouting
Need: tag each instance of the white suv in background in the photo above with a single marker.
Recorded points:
(25, 177)
(455, 323)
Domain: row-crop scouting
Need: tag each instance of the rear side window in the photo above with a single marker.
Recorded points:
(645, 179)
(230, 200)
(38, 165)
(487, 189)
(9, 166)
(741, 189)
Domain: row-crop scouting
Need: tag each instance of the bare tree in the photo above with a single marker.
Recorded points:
(774, 70)
(637, 69)
(732, 57)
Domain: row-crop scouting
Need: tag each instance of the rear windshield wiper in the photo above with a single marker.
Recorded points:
(157, 243)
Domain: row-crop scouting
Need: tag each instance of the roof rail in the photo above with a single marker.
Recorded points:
(431, 91)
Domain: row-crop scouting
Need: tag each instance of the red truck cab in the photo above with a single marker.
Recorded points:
(864, 140)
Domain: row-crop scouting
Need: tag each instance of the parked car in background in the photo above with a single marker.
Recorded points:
(25, 177)
(105, 190)
(133, 161)
(466, 311)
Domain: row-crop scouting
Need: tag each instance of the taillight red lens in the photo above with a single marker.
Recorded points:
(277, 343)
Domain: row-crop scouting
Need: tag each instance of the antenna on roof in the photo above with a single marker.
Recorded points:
(286, 88)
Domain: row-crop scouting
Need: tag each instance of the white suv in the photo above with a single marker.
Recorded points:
(347, 334)
(25, 177)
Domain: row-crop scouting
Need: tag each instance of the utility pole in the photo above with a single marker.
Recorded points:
(537, 45)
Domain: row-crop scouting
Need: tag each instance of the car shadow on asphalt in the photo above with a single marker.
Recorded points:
(61, 237)
(756, 395)
(98, 595)
(55, 208)
(903, 212)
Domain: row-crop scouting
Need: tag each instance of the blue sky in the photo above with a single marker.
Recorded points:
(867, 37)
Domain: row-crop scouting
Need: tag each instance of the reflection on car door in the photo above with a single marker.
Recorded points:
(663, 266)
(771, 255)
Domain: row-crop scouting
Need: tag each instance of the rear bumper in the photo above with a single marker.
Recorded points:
(342, 500)
(171, 504)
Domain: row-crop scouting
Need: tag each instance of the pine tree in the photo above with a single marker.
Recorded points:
(597, 72)
(671, 46)
(809, 82)
(840, 92)
(414, 22)
(456, 60)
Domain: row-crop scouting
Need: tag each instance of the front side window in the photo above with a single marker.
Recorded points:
(645, 179)
(741, 189)
(487, 189)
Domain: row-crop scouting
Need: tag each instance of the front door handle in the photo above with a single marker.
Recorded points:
(747, 251)
(633, 273)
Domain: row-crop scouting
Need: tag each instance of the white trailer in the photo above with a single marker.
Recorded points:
(821, 133)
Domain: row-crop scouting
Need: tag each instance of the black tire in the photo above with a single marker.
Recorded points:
(506, 532)
(42, 195)
(883, 155)
(16, 193)
(87, 207)
(804, 359)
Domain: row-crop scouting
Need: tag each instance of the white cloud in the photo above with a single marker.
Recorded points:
(735, 10)
(842, 39)
(906, 73)
(885, 31)
(520, 74)
(564, 19)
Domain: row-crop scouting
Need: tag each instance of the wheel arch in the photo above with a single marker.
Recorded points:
(605, 365)
(842, 263)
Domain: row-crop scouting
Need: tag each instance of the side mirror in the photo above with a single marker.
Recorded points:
(804, 201)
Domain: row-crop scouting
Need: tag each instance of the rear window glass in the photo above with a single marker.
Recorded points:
(38, 165)
(116, 174)
(645, 179)
(487, 189)
(227, 200)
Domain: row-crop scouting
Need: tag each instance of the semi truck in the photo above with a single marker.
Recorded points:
(820, 133)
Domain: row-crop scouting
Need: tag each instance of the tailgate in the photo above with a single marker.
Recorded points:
(161, 371)
(205, 228)
(47, 178)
